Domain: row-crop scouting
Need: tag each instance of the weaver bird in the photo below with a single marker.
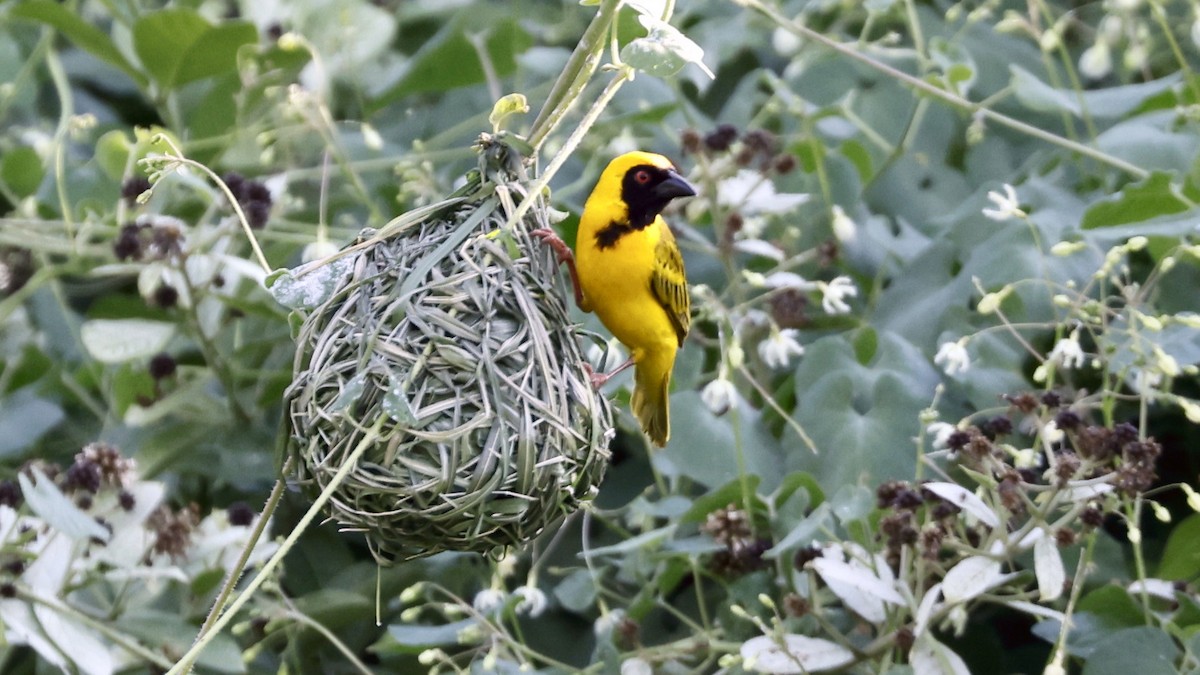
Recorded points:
(627, 269)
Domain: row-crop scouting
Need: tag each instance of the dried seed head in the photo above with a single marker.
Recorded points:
(1025, 402)
(721, 138)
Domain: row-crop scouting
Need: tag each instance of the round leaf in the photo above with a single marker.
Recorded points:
(120, 340)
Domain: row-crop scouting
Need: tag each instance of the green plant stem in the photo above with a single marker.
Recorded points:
(1077, 584)
(787, 417)
(1165, 25)
(536, 190)
(179, 158)
(576, 74)
(239, 566)
(61, 135)
(212, 355)
(302, 618)
(943, 95)
(368, 440)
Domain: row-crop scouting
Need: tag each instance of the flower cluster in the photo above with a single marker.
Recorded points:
(742, 550)
(155, 237)
(16, 266)
(253, 196)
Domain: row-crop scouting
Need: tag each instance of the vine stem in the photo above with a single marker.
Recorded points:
(235, 572)
(179, 159)
(576, 74)
(214, 628)
(624, 74)
(945, 96)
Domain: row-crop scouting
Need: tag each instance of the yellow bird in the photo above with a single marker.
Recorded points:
(628, 270)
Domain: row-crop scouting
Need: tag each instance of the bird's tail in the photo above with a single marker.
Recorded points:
(652, 377)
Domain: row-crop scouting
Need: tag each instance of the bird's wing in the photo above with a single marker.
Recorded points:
(669, 283)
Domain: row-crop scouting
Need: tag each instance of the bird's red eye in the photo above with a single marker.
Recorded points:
(642, 176)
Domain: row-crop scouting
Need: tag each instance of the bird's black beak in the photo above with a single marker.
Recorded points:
(673, 186)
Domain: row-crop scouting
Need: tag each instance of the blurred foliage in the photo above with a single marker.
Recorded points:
(934, 241)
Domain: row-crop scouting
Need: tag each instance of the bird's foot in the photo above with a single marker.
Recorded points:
(555, 242)
(565, 257)
(599, 379)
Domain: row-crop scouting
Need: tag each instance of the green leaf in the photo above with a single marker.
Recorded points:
(179, 46)
(805, 532)
(1140, 201)
(866, 343)
(120, 340)
(85, 36)
(427, 70)
(24, 418)
(1085, 634)
(311, 289)
(1108, 103)
(793, 483)
(52, 506)
(112, 153)
(650, 539)
(1181, 558)
(507, 106)
(21, 171)
(1143, 650)
(664, 52)
(862, 416)
(705, 448)
(730, 493)
(955, 60)
(1151, 144)
(172, 632)
(1113, 606)
(577, 591)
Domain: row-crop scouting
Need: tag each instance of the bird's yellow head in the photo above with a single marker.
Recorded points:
(644, 183)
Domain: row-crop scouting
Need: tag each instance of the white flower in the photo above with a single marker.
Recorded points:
(1135, 57)
(777, 349)
(718, 395)
(754, 194)
(636, 666)
(1007, 205)
(533, 601)
(1068, 353)
(1096, 61)
(1025, 458)
(789, 280)
(488, 600)
(834, 294)
(319, 250)
(941, 433)
(604, 625)
(785, 42)
(1051, 433)
(953, 357)
(844, 228)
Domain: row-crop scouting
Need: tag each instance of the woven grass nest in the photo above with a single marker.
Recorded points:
(447, 346)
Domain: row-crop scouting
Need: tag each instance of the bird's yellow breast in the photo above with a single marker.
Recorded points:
(616, 282)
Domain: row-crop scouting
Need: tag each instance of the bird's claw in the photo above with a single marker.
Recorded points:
(555, 242)
(597, 379)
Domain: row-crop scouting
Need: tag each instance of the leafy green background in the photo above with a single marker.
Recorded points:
(356, 111)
